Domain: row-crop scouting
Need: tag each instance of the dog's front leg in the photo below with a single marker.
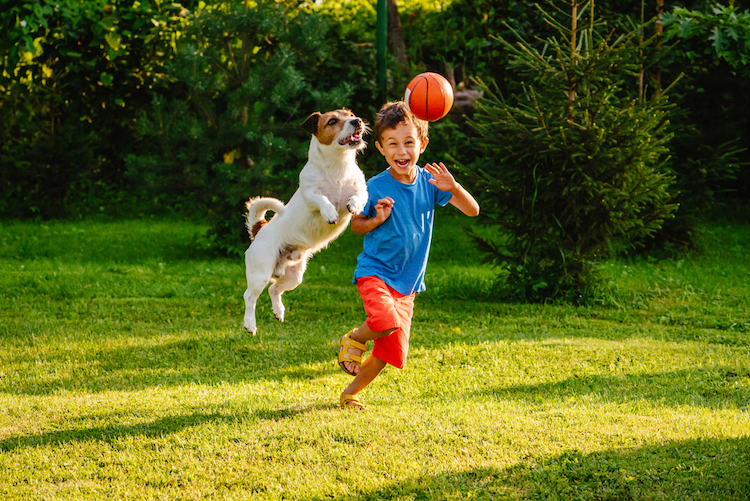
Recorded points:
(321, 202)
(357, 194)
(356, 203)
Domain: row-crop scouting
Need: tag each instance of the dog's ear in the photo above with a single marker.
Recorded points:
(311, 124)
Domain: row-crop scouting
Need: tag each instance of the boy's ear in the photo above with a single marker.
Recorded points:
(424, 145)
(380, 147)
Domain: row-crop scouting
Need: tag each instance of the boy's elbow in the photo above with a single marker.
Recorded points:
(472, 209)
(358, 226)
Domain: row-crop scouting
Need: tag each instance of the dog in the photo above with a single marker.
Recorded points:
(331, 188)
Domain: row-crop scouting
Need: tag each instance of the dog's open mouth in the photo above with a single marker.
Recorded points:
(352, 140)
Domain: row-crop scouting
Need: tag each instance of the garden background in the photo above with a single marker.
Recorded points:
(585, 338)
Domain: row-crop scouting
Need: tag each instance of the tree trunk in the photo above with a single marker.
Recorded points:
(398, 48)
(659, 31)
(574, 32)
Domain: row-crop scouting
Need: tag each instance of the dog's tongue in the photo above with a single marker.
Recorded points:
(353, 139)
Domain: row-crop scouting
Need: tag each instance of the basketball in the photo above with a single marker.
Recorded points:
(429, 96)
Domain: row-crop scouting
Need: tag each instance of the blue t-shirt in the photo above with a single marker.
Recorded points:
(397, 250)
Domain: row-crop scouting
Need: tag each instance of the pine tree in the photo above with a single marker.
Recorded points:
(575, 163)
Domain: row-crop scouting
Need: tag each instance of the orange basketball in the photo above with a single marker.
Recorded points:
(429, 96)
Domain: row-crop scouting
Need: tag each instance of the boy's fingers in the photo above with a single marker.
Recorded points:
(384, 203)
(436, 168)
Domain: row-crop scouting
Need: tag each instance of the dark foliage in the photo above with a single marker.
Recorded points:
(74, 76)
(575, 163)
(251, 75)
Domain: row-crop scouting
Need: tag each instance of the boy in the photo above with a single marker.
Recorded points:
(397, 223)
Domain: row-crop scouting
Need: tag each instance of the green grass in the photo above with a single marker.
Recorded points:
(125, 374)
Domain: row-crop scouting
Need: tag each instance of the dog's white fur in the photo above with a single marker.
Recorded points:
(331, 188)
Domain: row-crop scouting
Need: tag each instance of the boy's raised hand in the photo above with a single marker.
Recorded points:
(362, 224)
(383, 208)
(443, 179)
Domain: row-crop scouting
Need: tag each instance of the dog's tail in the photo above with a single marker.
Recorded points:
(256, 213)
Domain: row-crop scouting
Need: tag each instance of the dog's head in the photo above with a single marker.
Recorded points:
(341, 128)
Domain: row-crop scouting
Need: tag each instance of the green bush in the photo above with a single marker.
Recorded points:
(711, 132)
(74, 75)
(250, 75)
(574, 164)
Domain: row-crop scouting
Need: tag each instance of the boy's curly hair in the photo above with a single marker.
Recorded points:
(396, 112)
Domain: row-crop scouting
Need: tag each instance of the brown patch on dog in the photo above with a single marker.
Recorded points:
(256, 228)
(327, 126)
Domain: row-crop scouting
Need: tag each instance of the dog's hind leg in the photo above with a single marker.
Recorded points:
(258, 268)
(295, 270)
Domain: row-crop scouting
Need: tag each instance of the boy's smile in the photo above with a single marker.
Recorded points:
(401, 148)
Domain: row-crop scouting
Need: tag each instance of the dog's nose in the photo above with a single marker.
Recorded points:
(356, 122)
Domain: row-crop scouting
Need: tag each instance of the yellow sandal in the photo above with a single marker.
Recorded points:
(344, 355)
(351, 402)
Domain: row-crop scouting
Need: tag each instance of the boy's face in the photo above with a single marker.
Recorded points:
(401, 148)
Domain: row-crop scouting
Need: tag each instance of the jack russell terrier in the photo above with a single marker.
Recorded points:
(331, 188)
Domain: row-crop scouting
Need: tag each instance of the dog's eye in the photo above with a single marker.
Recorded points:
(332, 121)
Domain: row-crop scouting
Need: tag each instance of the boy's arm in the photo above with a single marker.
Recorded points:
(463, 201)
(362, 224)
(461, 198)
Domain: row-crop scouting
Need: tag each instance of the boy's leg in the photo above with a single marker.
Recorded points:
(362, 335)
(371, 368)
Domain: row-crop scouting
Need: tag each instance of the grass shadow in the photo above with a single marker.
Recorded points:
(161, 360)
(697, 469)
(696, 387)
(161, 427)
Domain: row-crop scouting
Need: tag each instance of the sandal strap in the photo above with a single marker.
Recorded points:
(348, 342)
(351, 401)
(345, 356)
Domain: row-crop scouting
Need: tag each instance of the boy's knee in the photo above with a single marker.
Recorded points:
(383, 324)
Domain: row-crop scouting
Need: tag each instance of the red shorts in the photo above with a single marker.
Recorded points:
(386, 309)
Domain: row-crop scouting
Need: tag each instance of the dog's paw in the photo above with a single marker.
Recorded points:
(330, 214)
(249, 325)
(278, 312)
(355, 205)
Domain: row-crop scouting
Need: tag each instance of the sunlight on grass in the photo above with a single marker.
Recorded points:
(125, 374)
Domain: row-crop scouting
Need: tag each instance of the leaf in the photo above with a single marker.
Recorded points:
(718, 40)
(668, 18)
(106, 79)
(29, 43)
(230, 157)
(113, 40)
(685, 26)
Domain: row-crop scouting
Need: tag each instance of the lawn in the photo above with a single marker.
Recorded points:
(125, 374)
